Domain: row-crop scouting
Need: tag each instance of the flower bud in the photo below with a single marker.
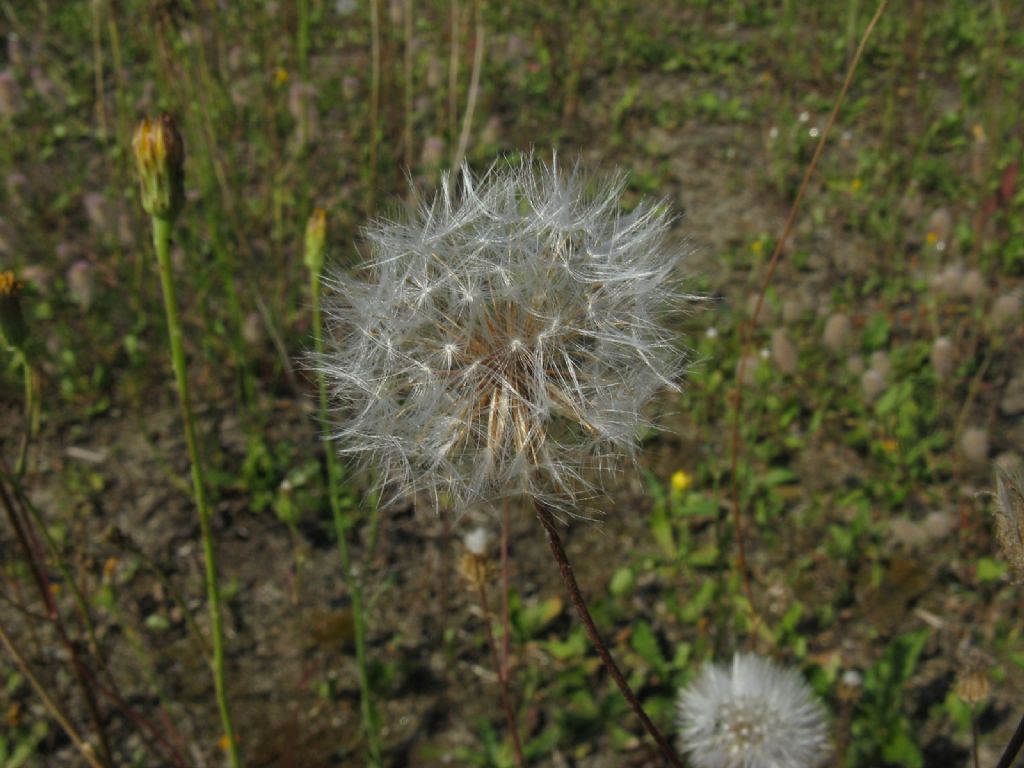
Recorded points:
(160, 158)
(316, 230)
(12, 323)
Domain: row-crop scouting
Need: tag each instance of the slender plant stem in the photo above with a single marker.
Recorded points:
(506, 699)
(86, 749)
(741, 558)
(162, 242)
(555, 542)
(371, 191)
(453, 72)
(303, 42)
(30, 416)
(371, 721)
(408, 77)
(97, 58)
(83, 605)
(474, 85)
(30, 547)
(504, 591)
(974, 735)
(1013, 748)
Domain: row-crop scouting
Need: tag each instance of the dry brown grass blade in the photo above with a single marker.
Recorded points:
(741, 558)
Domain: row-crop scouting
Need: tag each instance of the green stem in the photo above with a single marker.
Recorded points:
(161, 241)
(304, 40)
(371, 723)
(30, 418)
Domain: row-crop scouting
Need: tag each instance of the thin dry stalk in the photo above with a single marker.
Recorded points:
(86, 749)
(1013, 748)
(506, 699)
(580, 604)
(741, 559)
(474, 85)
(371, 192)
(504, 592)
(453, 71)
(31, 548)
(407, 132)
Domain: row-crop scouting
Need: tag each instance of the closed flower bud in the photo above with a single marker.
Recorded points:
(784, 353)
(837, 332)
(943, 357)
(316, 233)
(872, 383)
(974, 445)
(1006, 311)
(12, 323)
(159, 159)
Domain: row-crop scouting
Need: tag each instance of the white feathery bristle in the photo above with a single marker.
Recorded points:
(752, 714)
(504, 339)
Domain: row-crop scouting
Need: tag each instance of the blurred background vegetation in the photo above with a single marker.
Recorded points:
(884, 382)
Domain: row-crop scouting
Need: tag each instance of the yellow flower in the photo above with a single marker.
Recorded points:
(889, 445)
(281, 76)
(855, 185)
(757, 247)
(681, 481)
(932, 238)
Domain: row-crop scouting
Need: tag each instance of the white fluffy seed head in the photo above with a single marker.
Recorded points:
(752, 714)
(503, 340)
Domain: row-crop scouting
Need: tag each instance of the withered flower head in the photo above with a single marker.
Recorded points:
(316, 231)
(504, 340)
(160, 160)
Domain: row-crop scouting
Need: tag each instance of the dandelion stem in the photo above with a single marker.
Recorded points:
(369, 711)
(555, 542)
(161, 242)
(1013, 748)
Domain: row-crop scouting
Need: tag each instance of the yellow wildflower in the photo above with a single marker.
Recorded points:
(681, 481)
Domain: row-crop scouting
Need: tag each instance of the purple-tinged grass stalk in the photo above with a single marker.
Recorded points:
(159, 158)
(747, 330)
(315, 249)
(502, 342)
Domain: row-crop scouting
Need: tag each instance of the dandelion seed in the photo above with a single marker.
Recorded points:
(752, 714)
(503, 340)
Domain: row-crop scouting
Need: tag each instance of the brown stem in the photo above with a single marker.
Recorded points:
(84, 747)
(32, 555)
(555, 542)
(1013, 748)
(506, 701)
(503, 669)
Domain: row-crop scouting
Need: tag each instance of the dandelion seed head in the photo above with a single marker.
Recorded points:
(504, 339)
(752, 714)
